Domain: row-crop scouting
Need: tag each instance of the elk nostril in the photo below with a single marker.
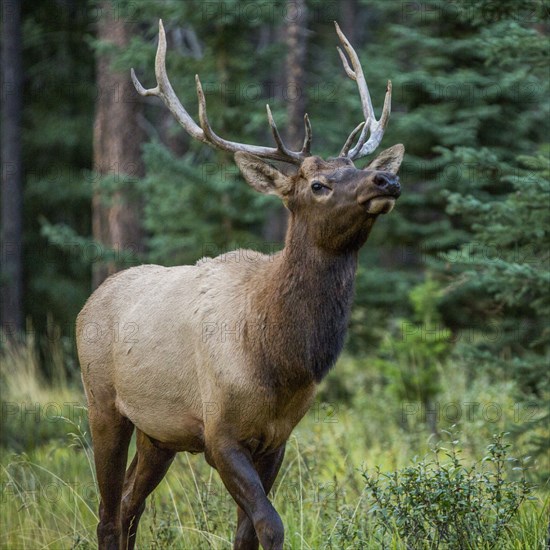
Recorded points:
(381, 180)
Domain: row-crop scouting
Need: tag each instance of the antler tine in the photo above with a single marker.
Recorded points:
(377, 132)
(306, 147)
(164, 90)
(375, 127)
(355, 74)
(276, 136)
(349, 141)
(204, 132)
(347, 68)
(211, 136)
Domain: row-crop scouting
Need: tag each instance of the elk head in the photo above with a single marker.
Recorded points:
(336, 202)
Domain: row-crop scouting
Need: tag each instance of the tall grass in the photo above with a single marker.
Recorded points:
(49, 496)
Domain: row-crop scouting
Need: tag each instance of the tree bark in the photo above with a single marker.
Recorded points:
(117, 153)
(296, 85)
(295, 95)
(349, 19)
(11, 241)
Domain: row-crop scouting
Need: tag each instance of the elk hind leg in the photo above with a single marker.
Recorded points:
(148, 468)
(111, 434)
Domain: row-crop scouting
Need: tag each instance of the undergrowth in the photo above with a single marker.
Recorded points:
(467, 497)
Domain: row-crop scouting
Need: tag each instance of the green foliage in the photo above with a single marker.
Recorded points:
(411, 356)
(434, 504)
(181, 224)
(463, 112)
(507, 262)
(57, 148)
(471, 106)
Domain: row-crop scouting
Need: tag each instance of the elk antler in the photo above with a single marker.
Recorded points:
(371, 125)
(204, 132)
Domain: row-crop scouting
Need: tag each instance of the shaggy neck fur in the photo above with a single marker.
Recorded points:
(303, 298)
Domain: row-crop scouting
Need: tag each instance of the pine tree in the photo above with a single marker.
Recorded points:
(469, 97)
(58, 98)
(508, 263)
(472, 110)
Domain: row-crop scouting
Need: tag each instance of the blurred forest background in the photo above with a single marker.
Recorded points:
(450, 322)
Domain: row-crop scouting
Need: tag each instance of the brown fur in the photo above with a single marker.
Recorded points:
(224, 357)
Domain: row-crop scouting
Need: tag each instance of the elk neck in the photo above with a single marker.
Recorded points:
(302, 298)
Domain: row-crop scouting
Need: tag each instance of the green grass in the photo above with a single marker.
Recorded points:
(49, 497)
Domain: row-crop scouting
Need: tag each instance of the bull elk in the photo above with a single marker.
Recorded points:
(184, 383)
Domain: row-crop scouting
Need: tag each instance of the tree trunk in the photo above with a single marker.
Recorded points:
(349, 19)
(296, 86)
(117, 155)
(295, 95)
(11, 241)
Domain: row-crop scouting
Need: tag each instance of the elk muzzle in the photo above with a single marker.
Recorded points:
(389, 183)
(380, 193)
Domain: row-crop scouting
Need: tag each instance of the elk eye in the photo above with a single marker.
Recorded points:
(316, 186)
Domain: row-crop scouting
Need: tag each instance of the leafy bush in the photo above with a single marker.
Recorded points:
(434, 504)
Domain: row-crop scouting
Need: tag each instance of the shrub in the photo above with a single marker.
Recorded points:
(434, 504)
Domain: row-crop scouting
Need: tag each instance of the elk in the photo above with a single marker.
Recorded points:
(225, 355)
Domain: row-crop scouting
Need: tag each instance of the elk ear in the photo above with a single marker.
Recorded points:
(388, 160)
(262, 176)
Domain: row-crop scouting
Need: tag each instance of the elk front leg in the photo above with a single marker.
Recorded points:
(267, 467)
(236, 468)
